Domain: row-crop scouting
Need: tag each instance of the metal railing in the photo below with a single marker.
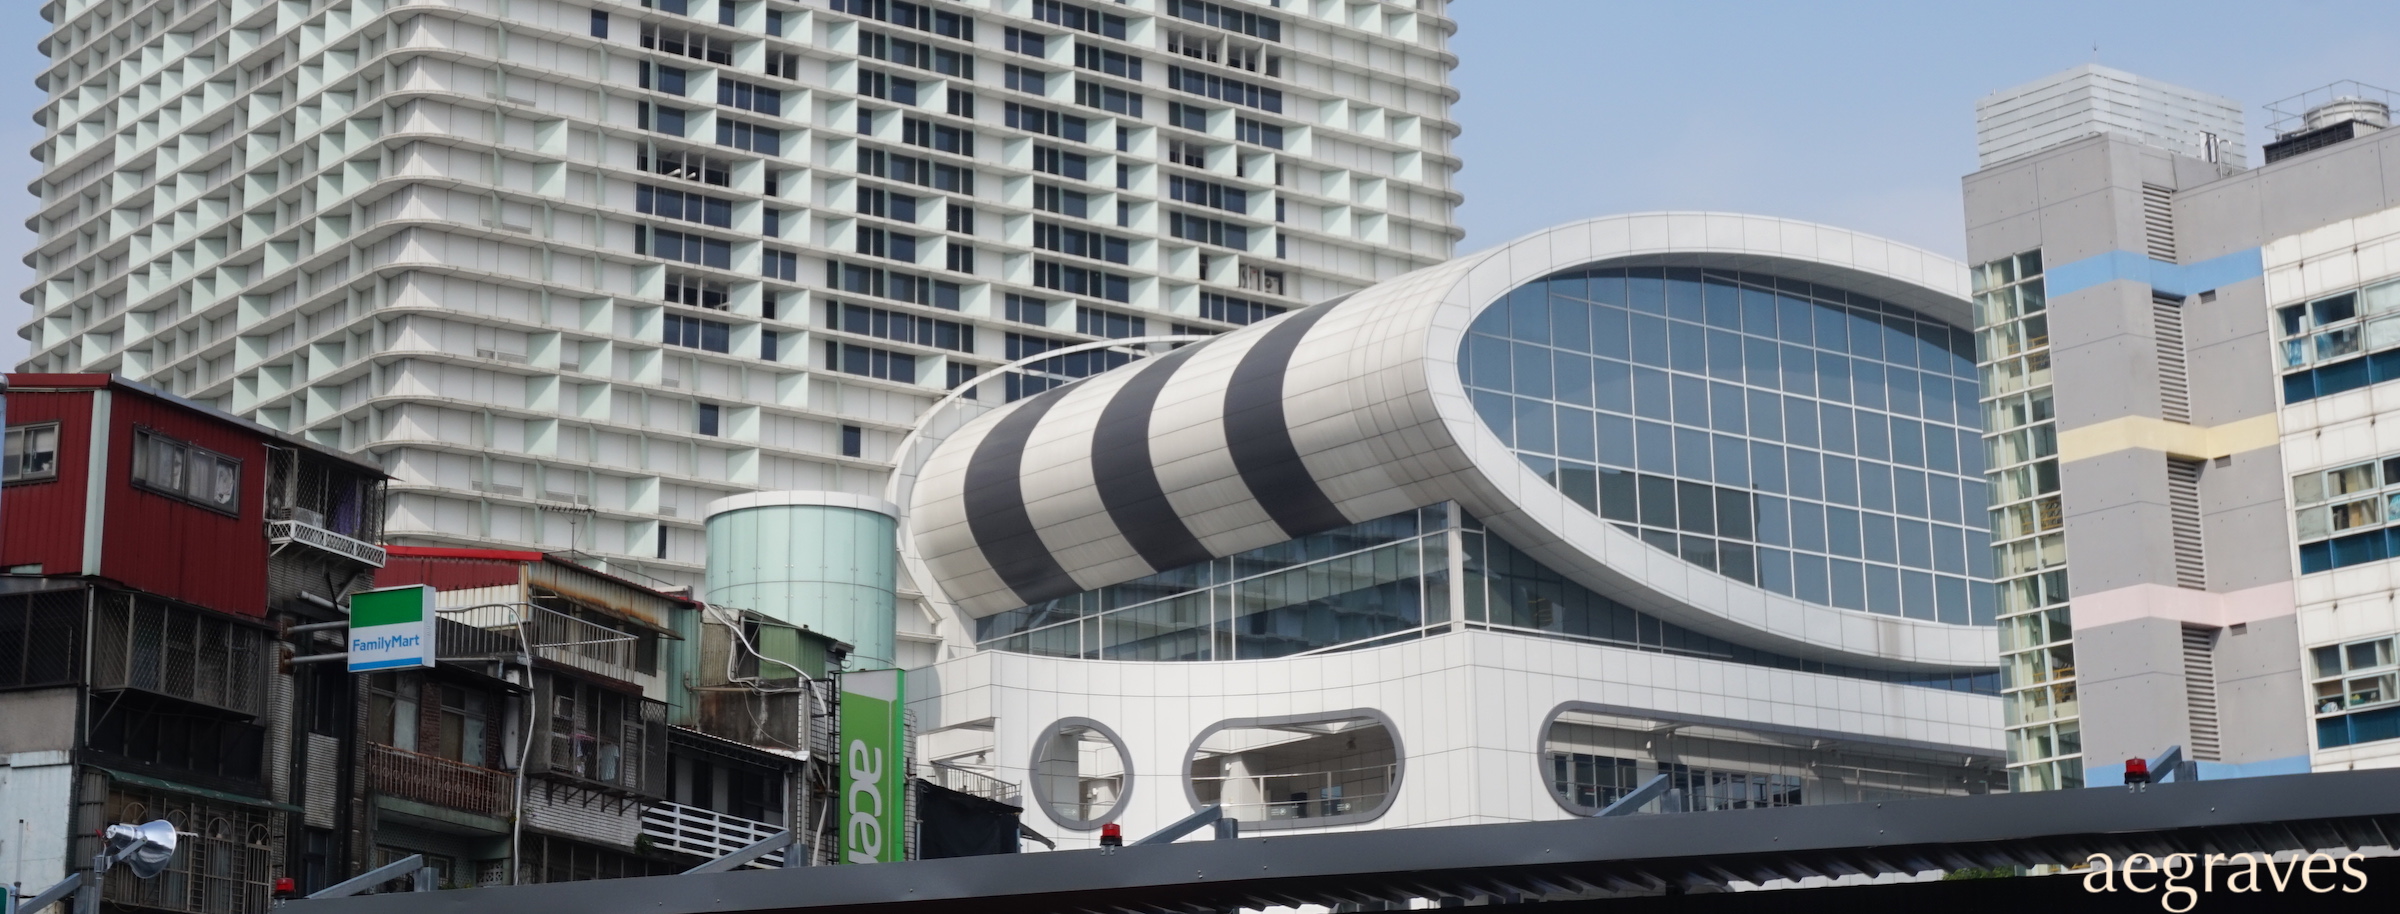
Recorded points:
(562, 639)
(208, 875)
(139, 642)
(706, 833)
(441, 782)
(974, 783)
(280, 532)
(1370, 783)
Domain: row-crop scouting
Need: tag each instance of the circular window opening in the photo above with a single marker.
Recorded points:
(1297, 772)
(1081, 773)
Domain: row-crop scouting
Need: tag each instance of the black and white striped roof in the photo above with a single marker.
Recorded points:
(1353, 409)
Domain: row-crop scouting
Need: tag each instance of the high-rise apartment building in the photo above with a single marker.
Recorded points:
(571, 270)
(2181, 394)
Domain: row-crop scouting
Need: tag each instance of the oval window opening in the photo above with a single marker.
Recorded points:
(1080, 773)
(1295, 773)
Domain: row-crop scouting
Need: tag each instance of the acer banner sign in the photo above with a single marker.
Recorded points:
(874, 768)
(391, 628)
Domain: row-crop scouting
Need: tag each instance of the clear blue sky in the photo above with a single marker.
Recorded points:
(1855, 114)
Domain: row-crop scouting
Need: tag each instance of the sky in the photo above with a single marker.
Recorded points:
(1859, 115)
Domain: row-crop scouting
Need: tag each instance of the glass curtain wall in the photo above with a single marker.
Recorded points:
(2029, 547)
(1812, 441)
(1367, 584)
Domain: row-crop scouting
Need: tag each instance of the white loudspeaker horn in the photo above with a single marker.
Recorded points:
(145, 849)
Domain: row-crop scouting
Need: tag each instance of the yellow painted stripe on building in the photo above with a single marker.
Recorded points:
(2193, 441)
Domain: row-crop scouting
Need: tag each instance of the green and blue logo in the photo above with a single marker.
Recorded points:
(391, 628)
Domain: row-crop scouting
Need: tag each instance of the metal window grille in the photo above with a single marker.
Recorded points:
(41, 638)
(155, 646)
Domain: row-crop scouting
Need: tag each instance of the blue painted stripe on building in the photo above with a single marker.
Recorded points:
(2170, 278)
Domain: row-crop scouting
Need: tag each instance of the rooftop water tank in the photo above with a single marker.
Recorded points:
(825, 560)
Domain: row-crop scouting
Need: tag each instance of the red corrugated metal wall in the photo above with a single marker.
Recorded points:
(172, 547)
(41, 523)
(453, 572)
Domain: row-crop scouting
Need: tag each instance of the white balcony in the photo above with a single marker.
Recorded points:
(704, 833)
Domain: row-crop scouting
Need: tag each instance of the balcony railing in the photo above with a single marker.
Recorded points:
(438, 781)
(280, 532)
(705, 833)
(974, 783)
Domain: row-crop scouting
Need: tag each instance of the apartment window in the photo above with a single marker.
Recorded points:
(1051, 236)
(783, 265)
(1263, 280)
(1020, 41)
(186, 471)
(1024, 79)
(870, 362)
(2325, 342)
(1219, 50)
(959, 258)
(1229, 18)
(663, 78)
(770, 223)
(706, 423)
(1124, 214)
(775, 23)
(1108, 98)
(1210, 231)
(1052, 198)
(1225, 89)
(1068, 15)
(961, 103)
(1188, 117)
(689, 166)
(1113, 63)
(876, 242)
(464, 728)
(767, 348)
(916, 54)
(900, 327)
(917, 16)
(1279, 209)
(1075, 280)
(959, 373)
(1059, 162)
(853, 441)
(860, 279)
(921, 172)
(1208, 193)
(696, 333)
(1044, 122)
(1187, 153)
(689, 207)
(599, 24)
(750, 137)
(750, 97)
(677, 7)
(392, 709)
(685, 43)
(1024, 310)
(693, 291)
(1124, 176)
(783, 63)
(1282, 247)
(673, 245)
(659, 538)
(878, 84)
(2352, 693)
(1233, 310)
(1255, 132)
(875, 201)
(961, 219)
(659, 118)
(32, 453)
(2342, 512)
(1111, 324)
(725, 12)
(937, 137)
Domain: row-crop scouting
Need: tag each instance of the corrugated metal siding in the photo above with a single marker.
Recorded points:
(42, 522)
(174, 548)
(583, 815)
(632, 603)
(447, 573)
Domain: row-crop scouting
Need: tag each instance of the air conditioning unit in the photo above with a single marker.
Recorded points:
(308, 517)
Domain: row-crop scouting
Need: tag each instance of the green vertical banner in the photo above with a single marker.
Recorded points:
(874, 767)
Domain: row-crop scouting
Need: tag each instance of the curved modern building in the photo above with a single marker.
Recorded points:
(1687, 494)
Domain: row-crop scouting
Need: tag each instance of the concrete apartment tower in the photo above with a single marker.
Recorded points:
(572, 270)
(2173, 358)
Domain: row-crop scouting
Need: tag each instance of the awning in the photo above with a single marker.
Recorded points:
(220, 796)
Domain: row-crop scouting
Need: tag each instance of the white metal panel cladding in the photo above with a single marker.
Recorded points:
(1354, 409)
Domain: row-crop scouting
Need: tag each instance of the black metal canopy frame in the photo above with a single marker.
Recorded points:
(1624, 854)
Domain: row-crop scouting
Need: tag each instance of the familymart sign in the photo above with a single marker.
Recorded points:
(391, 628)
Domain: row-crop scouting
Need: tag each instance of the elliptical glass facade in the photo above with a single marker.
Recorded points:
(1810, 440)
(1371, 583)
